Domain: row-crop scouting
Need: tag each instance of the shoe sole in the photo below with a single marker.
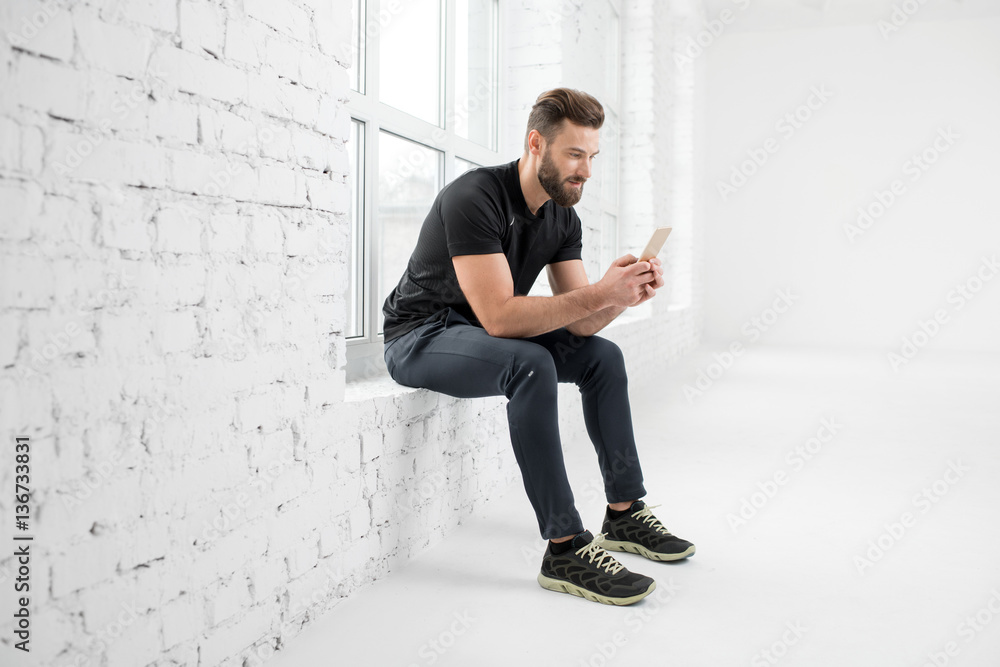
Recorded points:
(560, 586)
(633, 548)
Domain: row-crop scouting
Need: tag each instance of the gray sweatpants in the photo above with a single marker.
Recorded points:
(451, 356)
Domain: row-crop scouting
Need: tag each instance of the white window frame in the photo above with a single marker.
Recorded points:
(364, 353)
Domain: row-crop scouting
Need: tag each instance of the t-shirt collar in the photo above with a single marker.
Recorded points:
(519, 200)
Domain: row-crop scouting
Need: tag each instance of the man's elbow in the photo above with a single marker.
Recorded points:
(579, 330)
(501, 329)
(493, 329)
(499, 323)
(494, 326)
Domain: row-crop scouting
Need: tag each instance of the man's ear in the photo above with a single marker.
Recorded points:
(535, 140)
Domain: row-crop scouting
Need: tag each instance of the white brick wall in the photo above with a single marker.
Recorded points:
(158, 341)
(173, 250)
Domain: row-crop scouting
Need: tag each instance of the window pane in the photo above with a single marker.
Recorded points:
(356, 273)
(358, 12)
(409, 178)
(462, 166)
(410, 59)
(476, 71)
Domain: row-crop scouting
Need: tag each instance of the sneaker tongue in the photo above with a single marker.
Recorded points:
(583, 539)
(637, 505)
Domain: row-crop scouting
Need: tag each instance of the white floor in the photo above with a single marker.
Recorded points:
(785, 588)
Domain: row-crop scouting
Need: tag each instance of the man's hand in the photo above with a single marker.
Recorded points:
(656, 270)
(629, 283)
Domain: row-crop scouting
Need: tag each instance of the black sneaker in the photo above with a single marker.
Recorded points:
(590, 572)
(639, 532)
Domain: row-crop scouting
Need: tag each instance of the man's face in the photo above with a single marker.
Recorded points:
(565, 163)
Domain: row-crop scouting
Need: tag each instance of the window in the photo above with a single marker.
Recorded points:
(424, 108)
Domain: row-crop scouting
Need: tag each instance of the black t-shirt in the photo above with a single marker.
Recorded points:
(481, 212)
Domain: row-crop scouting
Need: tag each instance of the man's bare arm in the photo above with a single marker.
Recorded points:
(487, 284)
(570, 275)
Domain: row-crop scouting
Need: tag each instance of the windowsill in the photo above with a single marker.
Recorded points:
(370, 388)
(634, 315)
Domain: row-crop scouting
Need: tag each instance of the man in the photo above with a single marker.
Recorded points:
(459, 323)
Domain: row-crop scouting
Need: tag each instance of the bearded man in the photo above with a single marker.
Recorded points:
(460, 322)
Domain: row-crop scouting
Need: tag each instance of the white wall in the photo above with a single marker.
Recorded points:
(174, 198)
(173, 250)
(786, 227)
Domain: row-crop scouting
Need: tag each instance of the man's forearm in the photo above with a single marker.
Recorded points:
(527, 316)
(591, 324)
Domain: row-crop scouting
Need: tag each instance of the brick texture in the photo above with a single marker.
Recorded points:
(173, 249)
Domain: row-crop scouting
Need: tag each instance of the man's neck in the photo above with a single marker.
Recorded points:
(534, 194)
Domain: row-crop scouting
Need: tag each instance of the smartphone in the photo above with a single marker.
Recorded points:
(656, 242)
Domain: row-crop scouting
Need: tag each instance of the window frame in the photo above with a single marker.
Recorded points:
(364, 353)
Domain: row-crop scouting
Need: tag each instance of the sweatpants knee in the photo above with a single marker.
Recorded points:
(532, 364)
(535, 361)
(606, 357)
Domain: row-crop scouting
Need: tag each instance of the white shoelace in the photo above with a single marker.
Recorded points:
(646, 516)
(605, 561)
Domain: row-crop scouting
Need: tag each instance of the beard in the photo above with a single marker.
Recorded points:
(555, 185)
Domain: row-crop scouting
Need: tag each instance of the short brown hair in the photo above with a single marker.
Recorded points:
(553, 106)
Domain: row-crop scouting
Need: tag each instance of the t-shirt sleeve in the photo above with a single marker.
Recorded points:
(471, 212)
(572, 245)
